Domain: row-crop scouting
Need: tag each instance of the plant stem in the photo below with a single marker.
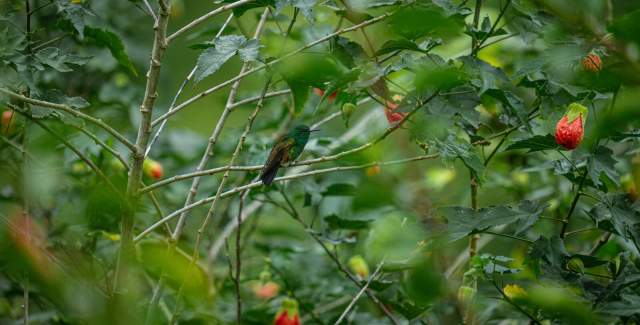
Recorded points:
(73, 112)
(144, 131)
(508, 236)
(477, 46)
(206, 16)
(574, 203)
(264, 66)
(238, 261)
(601, 241)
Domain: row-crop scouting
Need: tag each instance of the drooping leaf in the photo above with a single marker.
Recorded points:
(223, 48)
(305, 7)
(462, 221)
(110, 40)
(56, 59)
(75, 12)
(340, 189)
(336, 222)
(453, 148)
(547, 258)
(535, 143)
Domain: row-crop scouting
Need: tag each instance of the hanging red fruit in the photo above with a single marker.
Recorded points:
(288, 313)
(570, 128)
(592, 63)
(152, 169)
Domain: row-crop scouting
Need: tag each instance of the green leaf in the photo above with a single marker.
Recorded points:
(463, 221)
(453, 148)
(75, 13)
(547, 258)
(535, 143)
(405, 44)
(616, 214)
(305, 6)
(340, 189)
(54, 58)
(602, 164)
(239, 11)
(223, 49)
(418, 20)
(626, 27)
(110, 40)
(336, 222)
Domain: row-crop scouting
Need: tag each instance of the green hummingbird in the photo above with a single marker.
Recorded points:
(285, 150)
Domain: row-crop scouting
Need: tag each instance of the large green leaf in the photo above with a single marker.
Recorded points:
(463, 221)
(221, 50)
(110, 40)
(58, 60)
(535, 143)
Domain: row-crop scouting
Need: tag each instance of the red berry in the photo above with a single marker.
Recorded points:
(568, 134)
(6, 124)
(152, 169)
(592, 63)
(320, 93)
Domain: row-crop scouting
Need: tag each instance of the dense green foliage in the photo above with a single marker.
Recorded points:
(435, 192)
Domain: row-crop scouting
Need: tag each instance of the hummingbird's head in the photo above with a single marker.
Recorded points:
(301, 132)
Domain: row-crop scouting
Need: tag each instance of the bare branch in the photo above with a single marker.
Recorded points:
(144, 131)
(206, 16)
(279, 179)
(208, 153)
(262, 67)
(362, 290)
(73, 112)
(182, 86)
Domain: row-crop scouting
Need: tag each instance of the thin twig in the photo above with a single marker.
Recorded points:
(180, 89)
(215, 134)
(151, 12)
(362, 290)
(73, 112)
(225, 177)
(279, 179)
(508, 236)
(206, 16)
(238, 262)
(264, 66)
(574, 203)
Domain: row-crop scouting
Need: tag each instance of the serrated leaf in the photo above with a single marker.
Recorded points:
(110, 40)
(249, 50)
(463, 221)
(336, 222)
(305, 7)
(535, 143)
(213, 58)
(75, 13)
(453, 148)
(602, 164)
(56, 59)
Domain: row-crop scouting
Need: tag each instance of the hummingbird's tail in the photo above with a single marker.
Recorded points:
(268, 174)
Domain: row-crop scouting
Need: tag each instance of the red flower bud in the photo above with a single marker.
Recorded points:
(592, 63)
(288, 313)
(570, 128)
(266, 290)
(392, 116)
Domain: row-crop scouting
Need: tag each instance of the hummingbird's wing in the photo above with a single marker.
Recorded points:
(279, 153)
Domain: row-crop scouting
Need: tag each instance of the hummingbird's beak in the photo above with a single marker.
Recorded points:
(314, 130)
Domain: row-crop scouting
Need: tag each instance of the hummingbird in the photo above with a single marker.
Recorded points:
(285, 150)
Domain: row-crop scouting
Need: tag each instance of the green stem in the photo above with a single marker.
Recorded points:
(574, 203)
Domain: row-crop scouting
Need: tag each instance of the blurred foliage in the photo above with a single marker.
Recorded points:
(560, 229)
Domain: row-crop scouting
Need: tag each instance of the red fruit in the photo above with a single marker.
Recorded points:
(267, 290)
(320, 93)
(7, 122)
(284, 319)
(570, 129)
(152, 169)
(373, 170)
(288, 313)
(392, 116)
(592, 63)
